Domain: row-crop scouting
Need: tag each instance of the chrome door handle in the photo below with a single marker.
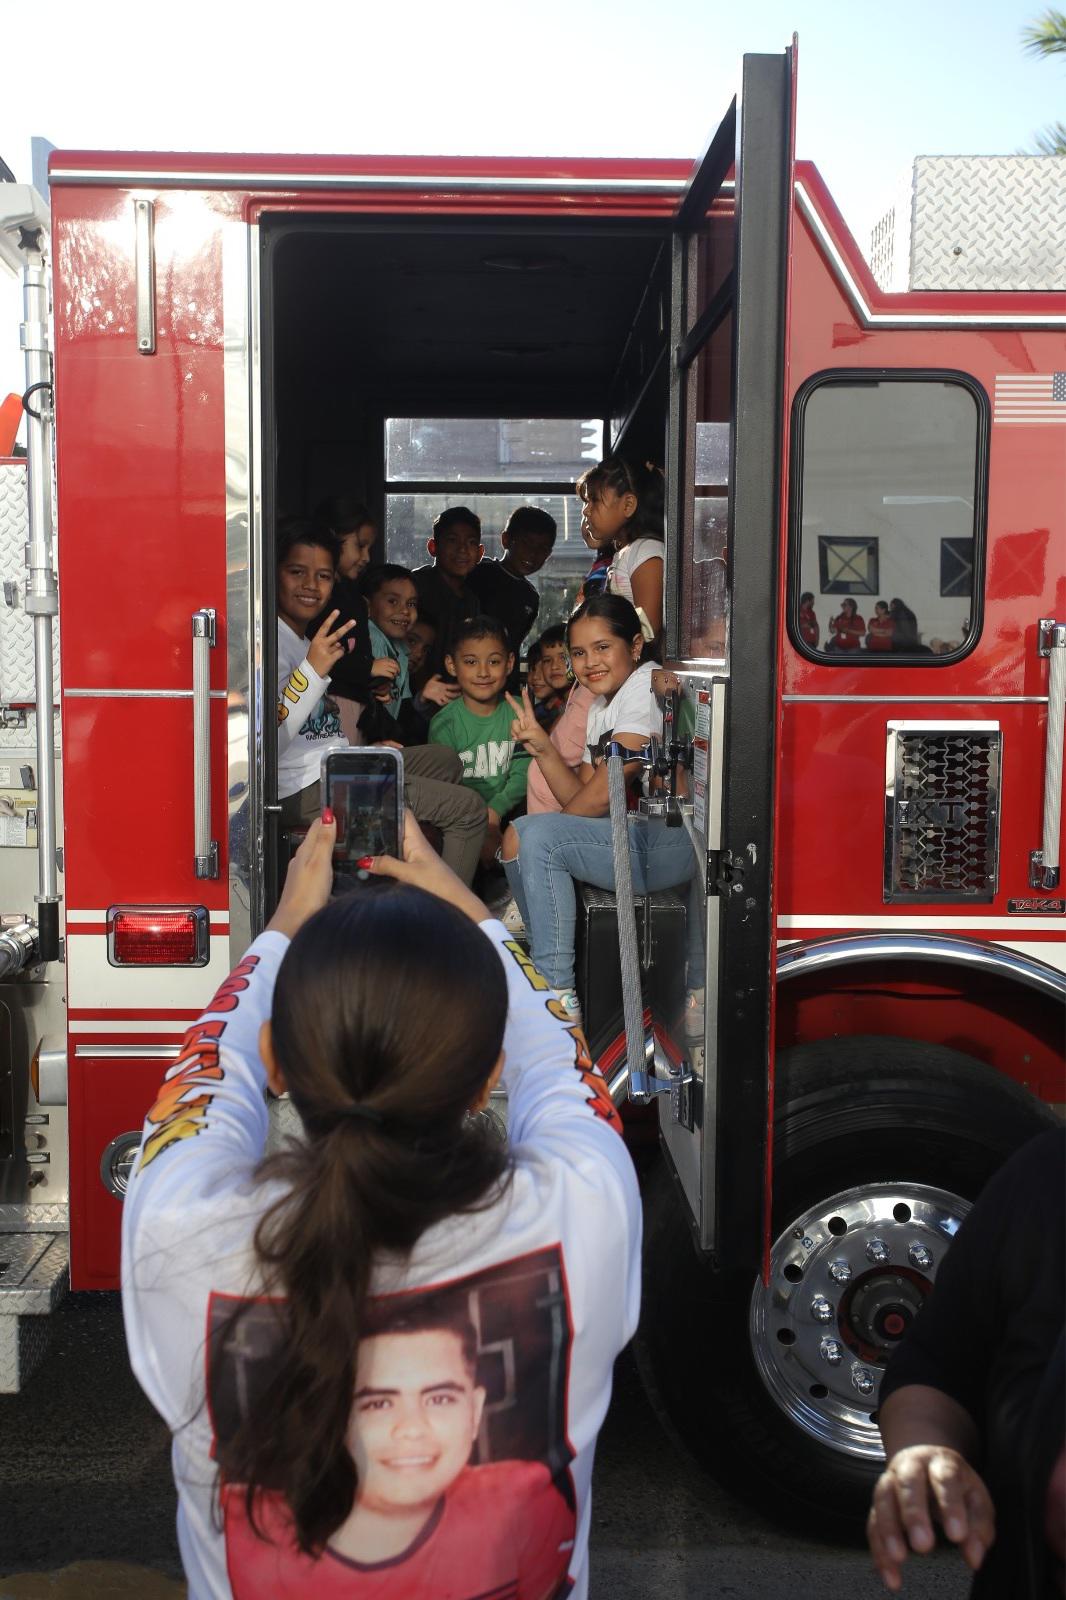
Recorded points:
(1044, 865)
(205, 849)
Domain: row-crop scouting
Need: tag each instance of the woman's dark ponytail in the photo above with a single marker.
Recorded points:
(388, 1017)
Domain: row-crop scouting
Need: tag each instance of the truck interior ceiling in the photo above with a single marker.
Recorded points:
(372, 319)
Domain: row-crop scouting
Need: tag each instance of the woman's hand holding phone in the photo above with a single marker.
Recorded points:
(308, 880)
(423, 867)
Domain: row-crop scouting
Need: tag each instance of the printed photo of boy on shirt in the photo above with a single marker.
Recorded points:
(445, 1380)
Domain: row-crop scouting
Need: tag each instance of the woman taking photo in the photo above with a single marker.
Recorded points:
(322, 1328)
(544, 854)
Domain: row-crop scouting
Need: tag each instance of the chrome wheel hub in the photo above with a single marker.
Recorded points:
(846, 1280)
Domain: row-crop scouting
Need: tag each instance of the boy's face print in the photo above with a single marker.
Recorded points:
(415, 1419)
(481, 667)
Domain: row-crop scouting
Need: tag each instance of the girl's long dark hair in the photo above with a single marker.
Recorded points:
(393, 1002)
(614, 610)
(641, 478)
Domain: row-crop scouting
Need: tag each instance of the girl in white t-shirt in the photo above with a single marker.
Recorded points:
(624, 509)
(543, 855)
(321, 1327)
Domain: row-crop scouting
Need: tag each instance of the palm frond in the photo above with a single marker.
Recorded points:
(1047, 35)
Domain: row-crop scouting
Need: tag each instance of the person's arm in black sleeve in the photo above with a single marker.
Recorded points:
(350, 678)
(932, 1401)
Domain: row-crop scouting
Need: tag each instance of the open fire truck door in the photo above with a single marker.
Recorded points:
(730, 277)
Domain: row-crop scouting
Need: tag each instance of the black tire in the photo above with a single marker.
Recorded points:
(851, 1112)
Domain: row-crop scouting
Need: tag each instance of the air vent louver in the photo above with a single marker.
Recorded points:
(942, 811)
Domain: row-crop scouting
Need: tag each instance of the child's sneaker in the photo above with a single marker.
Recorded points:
(568, 1000)
(511, 918)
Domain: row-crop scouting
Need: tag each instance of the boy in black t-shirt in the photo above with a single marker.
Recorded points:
(443, 589)
(503, 587)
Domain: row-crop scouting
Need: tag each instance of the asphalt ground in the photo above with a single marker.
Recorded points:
(87, 1504)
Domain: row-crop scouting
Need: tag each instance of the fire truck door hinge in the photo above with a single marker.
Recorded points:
(724, 874)
(144, 238)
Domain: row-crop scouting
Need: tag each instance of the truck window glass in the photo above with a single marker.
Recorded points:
(887, 504)
(704, 595)
(493, 465)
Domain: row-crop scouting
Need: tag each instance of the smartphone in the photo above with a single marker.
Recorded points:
(364, 789)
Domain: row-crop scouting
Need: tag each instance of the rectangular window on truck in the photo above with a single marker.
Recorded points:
(493, 465)
(888, 504)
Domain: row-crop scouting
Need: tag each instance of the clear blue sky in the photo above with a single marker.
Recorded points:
(878, 85)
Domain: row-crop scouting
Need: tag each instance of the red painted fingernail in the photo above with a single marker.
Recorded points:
(366, 862)
(327, 814)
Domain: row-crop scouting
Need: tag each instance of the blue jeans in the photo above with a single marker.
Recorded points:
(555, 849)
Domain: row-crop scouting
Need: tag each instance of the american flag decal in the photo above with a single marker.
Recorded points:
(1032, 397)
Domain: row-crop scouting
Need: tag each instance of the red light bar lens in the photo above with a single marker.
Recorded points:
(147, 937)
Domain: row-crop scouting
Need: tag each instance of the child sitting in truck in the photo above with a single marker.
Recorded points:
(392, 605)
(478, 724)
(503, 587)
(549, 676)
(308, 723)
(623, 503)
(443, 586)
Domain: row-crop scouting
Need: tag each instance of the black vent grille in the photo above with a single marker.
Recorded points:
(942, 814)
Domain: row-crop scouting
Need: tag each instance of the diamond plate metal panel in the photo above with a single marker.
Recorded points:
(34, 1277)
(942, 813)
(23, 1342)
(16, 628)
(34, 1272)
(987, 222)
(47, 1217)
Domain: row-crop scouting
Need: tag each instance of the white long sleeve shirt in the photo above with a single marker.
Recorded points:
(308, 721)
(569, 1223)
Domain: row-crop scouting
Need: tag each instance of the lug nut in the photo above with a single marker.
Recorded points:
(919, 1256)
(877, 1252)
(862, 1379)
(840, 1271)
(830, 1351)
(821, 1310)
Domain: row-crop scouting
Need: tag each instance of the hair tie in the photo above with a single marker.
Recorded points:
(363, 1113)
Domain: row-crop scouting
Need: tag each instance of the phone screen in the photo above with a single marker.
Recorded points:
(363, 788)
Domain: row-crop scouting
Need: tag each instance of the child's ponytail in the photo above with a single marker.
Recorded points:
(388, 1017)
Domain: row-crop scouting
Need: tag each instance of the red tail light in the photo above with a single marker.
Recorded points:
(157, 936)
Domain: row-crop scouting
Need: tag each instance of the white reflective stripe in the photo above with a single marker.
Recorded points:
(1052, 955)
(165, 1026)
(934, 924)
(92, 982)
(86, 916)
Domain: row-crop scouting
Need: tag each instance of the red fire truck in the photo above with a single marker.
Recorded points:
(864, 605)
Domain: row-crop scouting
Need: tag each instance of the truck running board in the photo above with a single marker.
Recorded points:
(34, 1277)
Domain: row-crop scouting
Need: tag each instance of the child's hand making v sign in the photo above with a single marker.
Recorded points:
(525, 729)
(327, 646)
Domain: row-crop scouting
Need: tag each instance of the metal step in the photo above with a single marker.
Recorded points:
(34, 1277)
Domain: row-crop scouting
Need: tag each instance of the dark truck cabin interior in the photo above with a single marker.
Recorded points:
(372, 326)
(363, 322)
